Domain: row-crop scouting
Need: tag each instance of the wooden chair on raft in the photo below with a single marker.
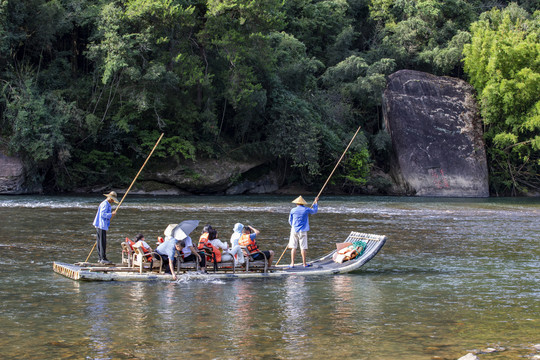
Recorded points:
(222, 265)
(146, 260)
(255, 264)
(183, 266)
(127, 254)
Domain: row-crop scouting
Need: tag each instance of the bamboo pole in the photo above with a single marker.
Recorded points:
(130, 186)
(327, 180)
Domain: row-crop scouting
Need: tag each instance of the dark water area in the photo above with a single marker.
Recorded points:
(455, 275)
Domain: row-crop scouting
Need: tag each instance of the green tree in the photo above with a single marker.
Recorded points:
(148, 71)
(425, 35)
(38, 122)
(322, 26)
(37, 119)
(503, 64)
(236, 34)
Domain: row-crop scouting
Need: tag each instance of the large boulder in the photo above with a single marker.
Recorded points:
(436, 135)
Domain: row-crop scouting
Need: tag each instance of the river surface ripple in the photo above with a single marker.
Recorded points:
(455, 275)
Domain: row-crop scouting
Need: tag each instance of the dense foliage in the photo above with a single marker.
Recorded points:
(88, 85)
(503, 62)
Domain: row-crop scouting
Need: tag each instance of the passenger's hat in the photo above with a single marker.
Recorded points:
(112, 195)
(299, 201)
(169, 229)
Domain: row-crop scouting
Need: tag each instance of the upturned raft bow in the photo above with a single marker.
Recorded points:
(133, 182)
(327, 180)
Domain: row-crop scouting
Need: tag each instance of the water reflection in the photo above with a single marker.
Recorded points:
(295, 306)
(99, 331)
(243, 314)
(139, 306)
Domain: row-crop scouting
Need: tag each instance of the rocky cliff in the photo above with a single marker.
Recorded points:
(13, 177)
(436, 135)
(211, 176)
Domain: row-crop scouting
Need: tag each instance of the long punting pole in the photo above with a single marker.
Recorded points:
(133, 182)
(327, 180)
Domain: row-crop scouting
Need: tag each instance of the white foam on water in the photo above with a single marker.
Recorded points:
(187, 277)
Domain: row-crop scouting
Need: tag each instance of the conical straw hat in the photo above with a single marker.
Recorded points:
(112, 195)
(300, 201)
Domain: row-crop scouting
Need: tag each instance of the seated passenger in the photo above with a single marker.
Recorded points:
(140, 242)
(237, 233)
(234, 253)
(204, 241)
(204, 236)
(189, 253)
(247, 239)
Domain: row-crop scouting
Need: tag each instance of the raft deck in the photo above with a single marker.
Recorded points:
(322, 266)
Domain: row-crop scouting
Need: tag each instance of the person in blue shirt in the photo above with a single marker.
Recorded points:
(102, 221)
(167, 250)
(299, 221)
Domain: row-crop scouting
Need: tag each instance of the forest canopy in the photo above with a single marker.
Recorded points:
(88, 85)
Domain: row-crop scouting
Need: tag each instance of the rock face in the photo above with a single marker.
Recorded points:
(266, 184)
(436, 135)
(210, 176)
(12, 175)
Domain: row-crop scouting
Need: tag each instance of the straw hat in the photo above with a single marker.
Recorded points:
(299, 201)
(112, 195)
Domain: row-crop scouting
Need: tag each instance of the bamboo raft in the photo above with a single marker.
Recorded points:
(322, 266)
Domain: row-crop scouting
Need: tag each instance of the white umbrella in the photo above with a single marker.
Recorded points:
(182, 230)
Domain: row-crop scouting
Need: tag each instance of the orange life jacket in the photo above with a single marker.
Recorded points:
(248, 242)
(203, 241)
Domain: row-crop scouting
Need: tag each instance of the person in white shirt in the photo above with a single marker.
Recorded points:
(140, 241)
(235, 252)
(190, 253)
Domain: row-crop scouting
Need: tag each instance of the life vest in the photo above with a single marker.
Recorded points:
(203, 241)
(249, 243)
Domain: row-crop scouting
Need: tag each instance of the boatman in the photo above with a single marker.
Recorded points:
(299, 221)
(102, 223)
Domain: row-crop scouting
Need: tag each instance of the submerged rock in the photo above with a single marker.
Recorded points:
(469, 356)
(436, 135)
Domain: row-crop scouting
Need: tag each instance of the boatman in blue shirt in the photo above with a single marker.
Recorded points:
(102, 223)
(299, 221)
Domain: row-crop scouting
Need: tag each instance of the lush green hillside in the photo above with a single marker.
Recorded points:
(88, 85)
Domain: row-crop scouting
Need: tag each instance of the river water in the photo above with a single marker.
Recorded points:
(455, 275)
